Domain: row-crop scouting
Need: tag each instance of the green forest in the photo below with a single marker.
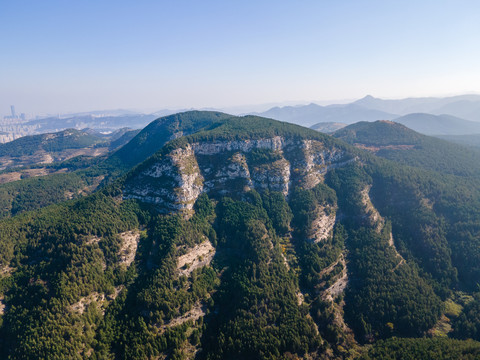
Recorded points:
(244, 273)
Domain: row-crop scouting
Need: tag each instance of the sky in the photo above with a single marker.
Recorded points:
(70, 56)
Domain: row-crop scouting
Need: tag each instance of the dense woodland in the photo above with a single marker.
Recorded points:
(67, 293)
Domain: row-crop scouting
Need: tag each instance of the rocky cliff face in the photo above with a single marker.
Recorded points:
(177, 178)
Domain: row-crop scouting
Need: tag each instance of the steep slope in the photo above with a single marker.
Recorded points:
(174, 178)
(248, 239)
(456, 177)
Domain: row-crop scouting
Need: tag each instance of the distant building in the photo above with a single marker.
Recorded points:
(14, 117)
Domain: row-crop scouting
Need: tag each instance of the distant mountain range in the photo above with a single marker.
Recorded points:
(463, 106)
(455, 115)
(311, 114)
(438, 124)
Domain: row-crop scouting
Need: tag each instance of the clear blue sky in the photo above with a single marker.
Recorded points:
(60, 56)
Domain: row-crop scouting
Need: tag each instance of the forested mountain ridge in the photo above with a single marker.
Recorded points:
(397, 142)
(248, 238)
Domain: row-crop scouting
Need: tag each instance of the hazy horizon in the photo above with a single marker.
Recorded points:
(235, 109)
(80, 57)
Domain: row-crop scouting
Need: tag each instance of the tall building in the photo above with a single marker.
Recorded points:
(13, 117)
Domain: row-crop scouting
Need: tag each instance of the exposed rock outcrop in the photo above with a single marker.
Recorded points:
(340, 283)
(322, 226)
(274, 176)
(200, 255)
(194, 314)
(176, 179)
(128, 248)
(372, 216)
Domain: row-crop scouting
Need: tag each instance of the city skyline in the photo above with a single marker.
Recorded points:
(79, 57)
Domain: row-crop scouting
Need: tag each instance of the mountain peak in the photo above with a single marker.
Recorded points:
(369, 99)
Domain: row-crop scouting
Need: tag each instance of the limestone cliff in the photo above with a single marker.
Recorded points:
(177, 177)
